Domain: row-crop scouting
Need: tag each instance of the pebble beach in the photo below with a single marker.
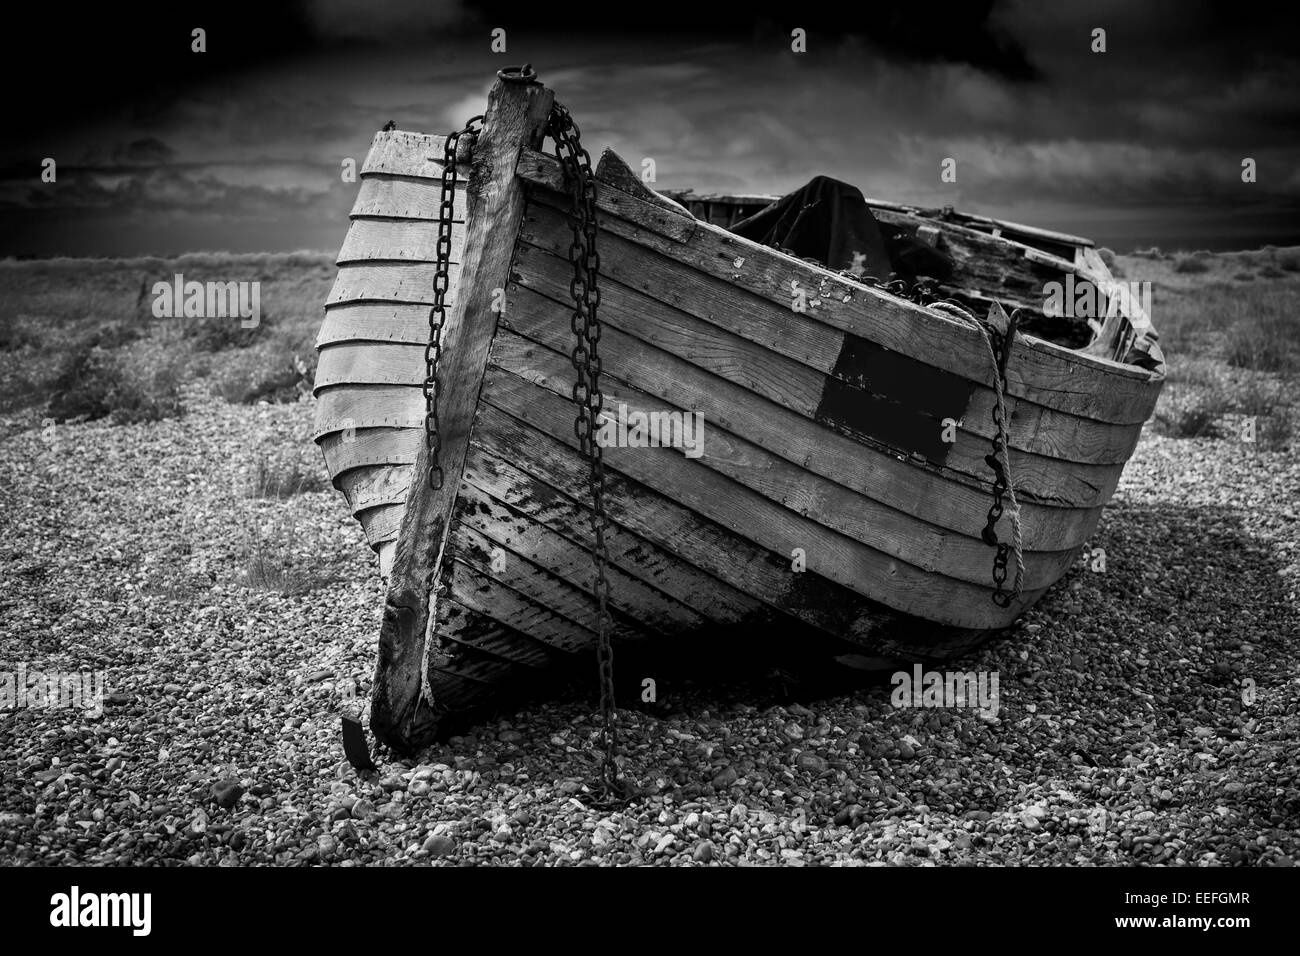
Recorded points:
(1147, 705)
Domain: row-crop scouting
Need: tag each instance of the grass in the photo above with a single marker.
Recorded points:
(1195, 263)
(283, 479)
(79, 340)
(272, 562)
(1230, 332)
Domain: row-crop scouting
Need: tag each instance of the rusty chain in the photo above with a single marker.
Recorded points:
(585, 322)
(926, 294)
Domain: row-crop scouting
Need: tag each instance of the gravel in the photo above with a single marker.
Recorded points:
(1148, 711)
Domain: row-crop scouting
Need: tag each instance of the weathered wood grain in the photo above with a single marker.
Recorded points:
(370, 487)
(370, 446)
(397, 198)
(381, 523)
(351, 406)
(835, 556)
(485, 594)
(467, 628)
(420, 155)
(390, 282)
(738, 577)
(515, 119)
(374, 322)
(650, 294)
(370, 363)
(898, 534)
(700, 593)
(892, 417)
(396, 240)
(1038, 370)
(536, 582)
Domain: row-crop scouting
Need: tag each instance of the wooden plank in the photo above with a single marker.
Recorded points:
(836, 557)
(396, 240)
(537, 583)
(613, 170)
(381, 523)
(952, 502)
(480, 592)
(370, 446)
(397, 152)
(534, 498)
(390, 282)
(570, 560)
(396, 198)
(793, 371)
(374, 322)
(1046, 373)
(756, 574)
(664, 220)
(371, 487)
(370, 363)
(468, 628)
(928, 546)
(515, 119)
(392, 406)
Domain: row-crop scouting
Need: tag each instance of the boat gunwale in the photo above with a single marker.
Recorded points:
(542, 164)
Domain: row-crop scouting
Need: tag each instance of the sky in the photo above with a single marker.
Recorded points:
(161, 150)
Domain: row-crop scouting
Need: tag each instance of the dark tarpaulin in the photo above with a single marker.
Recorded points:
(829, 221)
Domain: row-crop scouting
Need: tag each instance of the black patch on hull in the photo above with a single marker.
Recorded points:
(892, 399)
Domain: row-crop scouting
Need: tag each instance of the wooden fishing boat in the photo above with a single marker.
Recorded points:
(842, 484)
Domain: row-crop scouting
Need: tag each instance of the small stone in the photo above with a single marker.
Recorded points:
(703, 852)
(316, 677)
(810, 762)
(172, 688)
(439, 845)
(905, 750)
(362, 809)
(725, 777)
(227, 793)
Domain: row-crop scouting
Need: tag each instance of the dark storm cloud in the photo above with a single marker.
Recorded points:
(1151, 133)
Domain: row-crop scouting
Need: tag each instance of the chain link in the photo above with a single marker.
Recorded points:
(432, 385)
(587, 365)
(925, 293)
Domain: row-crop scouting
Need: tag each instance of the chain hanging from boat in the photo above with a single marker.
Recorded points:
(998, 345)
(999, 459)
(612, 788)
(432, 385)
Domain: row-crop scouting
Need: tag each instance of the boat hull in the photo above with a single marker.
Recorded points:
(836, 493)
